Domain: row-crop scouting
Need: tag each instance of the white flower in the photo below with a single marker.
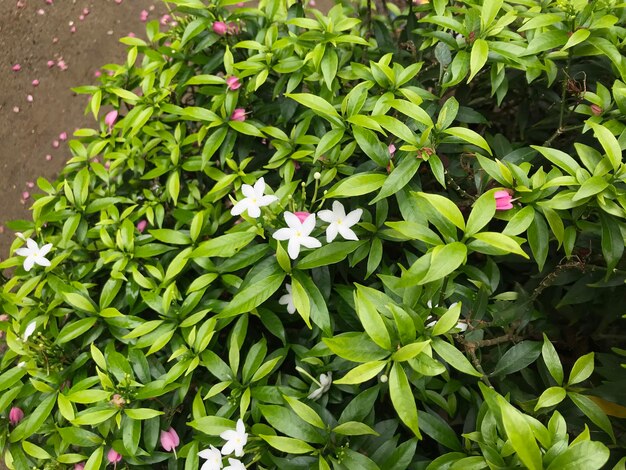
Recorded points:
(235, 464)
(213, 459)
(298, 233)
(325, 381)
(236, 439)
(340, 222)
(287, 300)
(34, 254)
(30, 329)
(253, 200)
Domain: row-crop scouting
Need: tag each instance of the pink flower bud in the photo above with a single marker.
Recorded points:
(233, 83)
(63, 136)
(110, 119)
(143, 16)
(35, 82)
(141, 225)
(302, 216)
(55, 144)
(118, 401)
(239, 114)
(48, 157)
(392, 150)
(233, 28)
(503, 200)
(16, 68)
(169, 440)
(15, 415)
(113, 456)
(219, 27)
(596, 110)
(79, 466)
(25, 195)
(50, 64)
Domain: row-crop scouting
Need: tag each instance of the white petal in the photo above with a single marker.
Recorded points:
(254, 211)
(22, 252)
(353, 217)
(229, 435)
(285, 299)
(283, 234)
(240, 207)
(29, 262)
(32, 245)
(293, 248)
(291, 308)
(288, 287)
(292, 221)
(308, 225)
(326, 216)
(331, 232)
(248, 191)
(259, 187)
(347, 233)
(338, 209)
(45, 249)
(228, 448)
(30, 329)
(310, 242)
(41, 261)
(315, 394)
(266, 200)
(462, 326)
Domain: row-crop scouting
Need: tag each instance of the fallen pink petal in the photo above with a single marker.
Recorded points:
(29, 98)
(48, 157)
(35, 82)
(30, 184)
(16, 68)
(63, 136)
(55, 144)
(50, 64)
(25, 195)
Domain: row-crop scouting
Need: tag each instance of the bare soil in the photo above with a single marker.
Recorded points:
(33, 32)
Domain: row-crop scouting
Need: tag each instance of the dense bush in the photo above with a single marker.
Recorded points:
(363, 240)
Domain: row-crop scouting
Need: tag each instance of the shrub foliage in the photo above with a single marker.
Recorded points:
(425, 268)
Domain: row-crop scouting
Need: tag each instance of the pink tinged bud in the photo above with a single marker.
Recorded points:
(233, 83)
(118, 1)
(48, 157)
(141, 225)
(97, 73)
(41, 11)
(15, 415)
(219, 27)
(29, 98)
(85, 11)
(50, 64)
(239, 114)
(143, 16)
(503, 200)
(132, 35)
(302, 216)
(63, 136)
(35, 82)
(55, 40)
(169, 440)
(30, 185)
(49, 2)
(16, 68)
(392, 149)
(596, 110)
(73, 29)
(16, 109)
(81, 17)
(55, 144)
(20, 4)
(110, 119)
(79, 466)
(113, 456)
(233, 28)
(25, 195)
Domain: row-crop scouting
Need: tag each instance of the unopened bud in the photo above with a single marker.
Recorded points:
(317, 175)
(384, 378)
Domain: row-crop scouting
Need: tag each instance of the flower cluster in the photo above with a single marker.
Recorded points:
(235, 439)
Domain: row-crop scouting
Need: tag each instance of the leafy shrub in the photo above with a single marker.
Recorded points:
(328, 242)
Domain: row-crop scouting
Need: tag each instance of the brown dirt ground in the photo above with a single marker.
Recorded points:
(27, 37)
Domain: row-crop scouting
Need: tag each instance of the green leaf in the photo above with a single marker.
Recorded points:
(356, 185)
(223, 246)
(319, 309)
(409, 351)
(478, 58)
(318, 105)
(399, 177)
(489, 12)
(591, 187)
(538, 239)
(305, 412)
(448, 320)
(75, 329)
(609, 143)
(585, 455)
(362, 373)
(371, 320)
(354, 428)
(371, 145)
(95, 459)
(142, 413)
(546, 40)
(582, 369)
(612, 241)
(436, 427)
(593, 412)
(520, 435)
(559, 158)
(445, 207)
(454, 357)
(288, 445)
(445, 259)
(470, 136)
(331, 253)
(301, 301)
(517, 358)
(93, 417)
(415, 231)
(79, 302)
(482, 212)
(253, 295)
(577, 37)
(212, 425)
(552, 360)
(402, 398)
(551, 397)
(356, 347)
(501, 242)
(11, 377)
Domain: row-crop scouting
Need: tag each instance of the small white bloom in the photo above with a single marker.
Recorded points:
(298, 233)
(287, 300)
(340, 222)
(22, 364)
(34, 254)
(30, 329)
(234, 464)
(325, 381)
(236, 439)
(253, 199)
(213, 459)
